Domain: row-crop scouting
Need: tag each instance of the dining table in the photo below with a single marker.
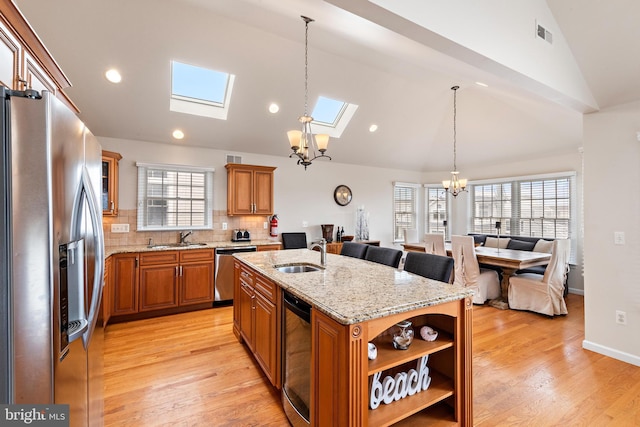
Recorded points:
(509, 260)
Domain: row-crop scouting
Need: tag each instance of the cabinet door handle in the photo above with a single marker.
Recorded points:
(176, 267)
(180, 271)
(112, 205)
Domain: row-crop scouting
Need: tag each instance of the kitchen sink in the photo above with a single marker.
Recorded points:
(176, 245)
(297, 268)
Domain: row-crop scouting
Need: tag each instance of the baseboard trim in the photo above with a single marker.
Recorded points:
(610, 352)
(576, 291)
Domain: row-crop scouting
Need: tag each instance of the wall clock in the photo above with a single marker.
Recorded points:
(342, 195)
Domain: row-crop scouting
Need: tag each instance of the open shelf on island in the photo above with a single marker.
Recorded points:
(388, 356)
(440, 388)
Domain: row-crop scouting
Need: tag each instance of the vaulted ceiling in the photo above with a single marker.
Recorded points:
(397, 60)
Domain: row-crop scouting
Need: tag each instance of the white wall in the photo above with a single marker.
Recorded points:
(299, 195)
(612, 203)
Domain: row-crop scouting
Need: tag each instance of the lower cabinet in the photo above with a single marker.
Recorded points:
(159, 274)
(125, 284)
(107, 292)
(162, 280)
(257, 319)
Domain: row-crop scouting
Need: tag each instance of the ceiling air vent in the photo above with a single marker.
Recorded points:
(544, 34)
(234, 159)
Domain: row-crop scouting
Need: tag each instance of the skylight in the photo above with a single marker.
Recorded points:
(200, 91)
(328, 111)
(331, 116)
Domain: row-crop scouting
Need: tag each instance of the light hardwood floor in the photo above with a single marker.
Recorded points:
(529, 370)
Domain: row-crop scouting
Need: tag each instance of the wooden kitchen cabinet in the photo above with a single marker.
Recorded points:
(162, 282)
(107, 292)
(249, 189)
(196, 277)
(269, 247)
(109, 192)
(25, 63)
(125, 280)
(257, 319)
(341, 349)
(159, 272)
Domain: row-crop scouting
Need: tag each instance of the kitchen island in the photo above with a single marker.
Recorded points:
(355, 302)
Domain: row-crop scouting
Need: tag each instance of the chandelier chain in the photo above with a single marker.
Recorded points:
(306, 64)
(455, 152)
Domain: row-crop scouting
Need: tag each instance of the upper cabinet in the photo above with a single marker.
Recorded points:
(249, 189)
(110, 183)
(25, 62)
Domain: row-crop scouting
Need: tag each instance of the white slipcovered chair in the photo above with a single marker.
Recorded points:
(434, 244)
(543, 293)
(467, 271)
(411, 235)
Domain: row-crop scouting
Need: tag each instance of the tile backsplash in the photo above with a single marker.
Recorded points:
(255, 225)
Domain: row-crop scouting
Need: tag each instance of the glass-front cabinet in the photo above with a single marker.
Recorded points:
(109, 191)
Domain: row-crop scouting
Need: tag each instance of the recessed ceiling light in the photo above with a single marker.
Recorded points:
(113, 76)
(178, 134)
(373, 128)
(274, 108)
(482, 84)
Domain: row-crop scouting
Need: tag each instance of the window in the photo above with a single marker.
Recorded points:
(200, 91)
(491, 203)
(405, 208)
(541, 206)
(331, 116)
(174, 197)
(436, 210)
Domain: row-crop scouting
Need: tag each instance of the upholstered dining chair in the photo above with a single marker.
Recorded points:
(354, 249)
(543, 293)
(434, 244)
(431, 266)
(467, 271)
(411, 235)
(386, 256)
(295, 240)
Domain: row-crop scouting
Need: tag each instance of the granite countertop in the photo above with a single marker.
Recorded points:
(351, 290)
(110, 250)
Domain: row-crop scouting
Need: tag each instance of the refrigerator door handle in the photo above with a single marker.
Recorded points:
(95, 212)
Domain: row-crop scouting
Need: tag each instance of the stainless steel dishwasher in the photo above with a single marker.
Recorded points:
(296, 369)
(223, 281)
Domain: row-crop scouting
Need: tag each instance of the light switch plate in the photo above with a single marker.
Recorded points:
(224, 225)
(119, 228)
(618, 237)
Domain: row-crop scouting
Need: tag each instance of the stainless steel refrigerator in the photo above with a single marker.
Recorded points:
(52, 258)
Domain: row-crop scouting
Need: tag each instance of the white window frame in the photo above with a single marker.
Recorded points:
(412, 213)
(510, 217)
(143, 198)
(440, 225)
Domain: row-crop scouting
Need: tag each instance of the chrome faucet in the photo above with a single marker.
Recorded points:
(183, 236)
(322, 244)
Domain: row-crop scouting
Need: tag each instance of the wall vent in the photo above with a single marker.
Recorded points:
(234, 159)
(543, 33)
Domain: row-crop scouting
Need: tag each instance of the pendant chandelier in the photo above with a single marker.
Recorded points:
(455, 185)
(304, 143)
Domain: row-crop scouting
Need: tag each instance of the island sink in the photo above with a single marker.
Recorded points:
(297, 268)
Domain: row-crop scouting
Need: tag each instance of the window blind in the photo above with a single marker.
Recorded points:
(405, 208)
(174, 197)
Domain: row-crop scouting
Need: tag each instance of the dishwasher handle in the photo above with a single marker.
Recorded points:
(297, 306)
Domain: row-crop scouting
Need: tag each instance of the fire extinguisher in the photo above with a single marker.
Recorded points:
(273, 226)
